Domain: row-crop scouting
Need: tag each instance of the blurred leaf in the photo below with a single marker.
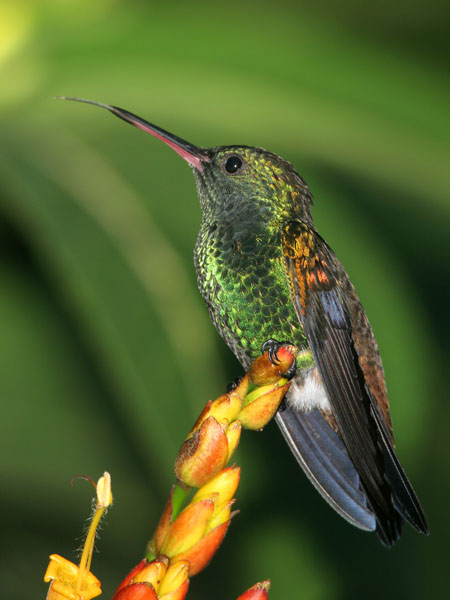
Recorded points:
(120, 273)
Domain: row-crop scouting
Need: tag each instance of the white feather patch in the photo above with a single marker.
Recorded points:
(307, 393)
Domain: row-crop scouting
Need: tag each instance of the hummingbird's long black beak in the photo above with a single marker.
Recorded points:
(192, 154)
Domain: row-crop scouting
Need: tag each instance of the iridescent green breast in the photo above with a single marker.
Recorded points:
(241, 276)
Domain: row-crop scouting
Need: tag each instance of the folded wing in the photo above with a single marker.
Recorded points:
(346, 355)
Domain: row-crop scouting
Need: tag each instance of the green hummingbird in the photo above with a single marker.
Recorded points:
(266, 274)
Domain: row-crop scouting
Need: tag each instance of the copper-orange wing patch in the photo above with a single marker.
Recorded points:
(306, 264)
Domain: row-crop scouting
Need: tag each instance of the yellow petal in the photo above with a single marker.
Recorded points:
(226, 407)
(64, 575)
(221, 515)
(175, 576)
(223, 485)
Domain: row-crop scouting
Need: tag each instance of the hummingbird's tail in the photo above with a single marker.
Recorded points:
(325, 460)
(404, 498)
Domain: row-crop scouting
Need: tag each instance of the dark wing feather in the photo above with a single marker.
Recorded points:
(347, 357)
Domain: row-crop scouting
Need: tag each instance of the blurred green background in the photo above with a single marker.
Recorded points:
(106, 350)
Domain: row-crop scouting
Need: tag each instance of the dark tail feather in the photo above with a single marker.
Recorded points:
(403, 496)
(389, 527)
(325, 460)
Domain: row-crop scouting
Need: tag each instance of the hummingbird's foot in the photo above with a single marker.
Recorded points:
(233, 385)
(290, 373)
(271, 347)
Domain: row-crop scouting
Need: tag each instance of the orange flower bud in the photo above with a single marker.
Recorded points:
(206, 412)
(175, 583)
(222, 487)
(221, 515)
(263, 371)
(258, 591)
(199, 555)
(178, 594)
(153, 573)
(261, 405)
(188, 527)
(143, 581)
(259, 391)
(226, 407)
(233, 434)
(132, 574)
(136, 591)
(242, 389)
(155, 544)
(203, 455)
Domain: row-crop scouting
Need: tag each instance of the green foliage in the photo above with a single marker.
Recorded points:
(106, 350)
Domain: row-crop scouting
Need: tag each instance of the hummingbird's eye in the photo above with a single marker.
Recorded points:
(233, 164)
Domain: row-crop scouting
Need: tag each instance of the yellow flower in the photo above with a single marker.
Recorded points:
(72, 582)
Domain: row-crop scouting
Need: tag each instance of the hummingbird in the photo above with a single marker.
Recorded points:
(266, 274)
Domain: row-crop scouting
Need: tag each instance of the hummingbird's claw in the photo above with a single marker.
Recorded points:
(290, 373)
(271, 347)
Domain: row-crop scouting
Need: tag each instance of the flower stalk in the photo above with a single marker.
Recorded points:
(189, 532)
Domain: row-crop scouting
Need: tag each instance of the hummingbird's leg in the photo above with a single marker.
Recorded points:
(233, 385)
(271, 347)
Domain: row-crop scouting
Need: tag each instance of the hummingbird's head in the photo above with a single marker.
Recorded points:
(233, 181)
(251, 179)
